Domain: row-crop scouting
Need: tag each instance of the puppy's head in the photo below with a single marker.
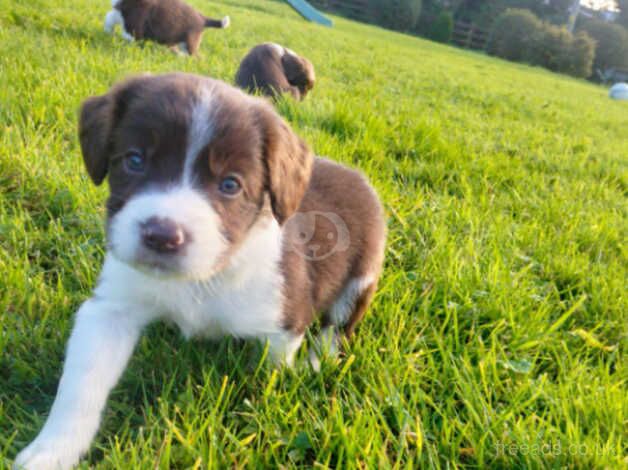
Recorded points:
(194, 166)
(299, 71)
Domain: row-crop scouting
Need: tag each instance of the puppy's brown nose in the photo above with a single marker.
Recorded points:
(162, 235)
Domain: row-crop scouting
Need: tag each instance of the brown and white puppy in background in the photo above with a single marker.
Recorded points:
(272, 69)
(219, 219)
(169, 22)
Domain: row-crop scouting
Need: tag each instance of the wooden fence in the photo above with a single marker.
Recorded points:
(464, 34)
(468, 35)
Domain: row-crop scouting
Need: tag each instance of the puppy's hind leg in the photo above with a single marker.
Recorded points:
(179, 49)
(326, 344)
(192, 41)
(344, 314)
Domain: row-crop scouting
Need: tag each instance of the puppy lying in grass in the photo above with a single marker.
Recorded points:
(169, 22)
(219, 219)
(272, 70)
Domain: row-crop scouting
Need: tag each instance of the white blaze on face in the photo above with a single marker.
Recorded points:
(200, 130)
(183, 204)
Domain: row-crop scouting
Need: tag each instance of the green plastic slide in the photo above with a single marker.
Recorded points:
(308, 12)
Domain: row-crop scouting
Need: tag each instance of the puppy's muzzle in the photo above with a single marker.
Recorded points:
(163, 235)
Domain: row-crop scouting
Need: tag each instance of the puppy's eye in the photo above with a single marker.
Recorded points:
(134, 162)
(230, 186)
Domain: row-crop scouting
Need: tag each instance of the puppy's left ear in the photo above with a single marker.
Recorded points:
(288, 162)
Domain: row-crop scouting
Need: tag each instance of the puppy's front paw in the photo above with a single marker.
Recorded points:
(46, 455)
(225, 22)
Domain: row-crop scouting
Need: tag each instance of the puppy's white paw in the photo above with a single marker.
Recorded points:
(46, 455)
(225, 22)
(111, 19)
(127, 36)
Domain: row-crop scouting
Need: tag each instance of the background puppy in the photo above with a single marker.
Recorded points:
(273, 69)
(169, 22)
(219, 219)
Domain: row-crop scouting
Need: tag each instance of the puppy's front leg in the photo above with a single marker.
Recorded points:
(295, 92)
(100, 345)
(282, 347)
(113, 18)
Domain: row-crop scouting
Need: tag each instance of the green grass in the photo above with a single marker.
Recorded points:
(498, 335)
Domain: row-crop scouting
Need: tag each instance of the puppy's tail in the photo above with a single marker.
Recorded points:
(212, 23)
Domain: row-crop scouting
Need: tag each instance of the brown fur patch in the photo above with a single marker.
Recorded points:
(334, 190)
(272, 70)
(168, 22)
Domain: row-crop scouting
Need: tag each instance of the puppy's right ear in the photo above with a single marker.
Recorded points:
(299, 71)
(293, 67)
(288, 162)
(95, 125)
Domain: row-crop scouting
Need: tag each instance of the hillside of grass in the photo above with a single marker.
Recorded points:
(498, 335)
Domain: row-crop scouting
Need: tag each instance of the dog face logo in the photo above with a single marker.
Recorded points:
(317, 235)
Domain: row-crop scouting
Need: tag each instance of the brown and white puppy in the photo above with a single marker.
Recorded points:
(169, 22)
(272, 69)
(220, 220)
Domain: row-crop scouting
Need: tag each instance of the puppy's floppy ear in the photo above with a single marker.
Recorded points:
(288, 162)
(294, 67)
(98, 117)
(95, 125)
(299, 72)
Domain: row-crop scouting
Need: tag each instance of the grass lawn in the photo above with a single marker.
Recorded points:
(498, 336)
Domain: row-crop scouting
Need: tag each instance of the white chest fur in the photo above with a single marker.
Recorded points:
(244, 300)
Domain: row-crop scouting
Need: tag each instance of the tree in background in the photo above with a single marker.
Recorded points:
(519, 35)
(436, 19)
(440, 30)
(611, 50)
(622, 19)
(400, 15)
(514, 33)
(484, 12)
(480, 13)
(556, 11)
(583, 49)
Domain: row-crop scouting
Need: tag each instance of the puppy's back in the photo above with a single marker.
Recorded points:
(171, 21)
(261, 69)
(167, 22)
